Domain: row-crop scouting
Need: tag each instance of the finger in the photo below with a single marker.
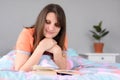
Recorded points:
(51, 47)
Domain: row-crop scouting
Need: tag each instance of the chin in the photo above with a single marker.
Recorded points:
(49, 37)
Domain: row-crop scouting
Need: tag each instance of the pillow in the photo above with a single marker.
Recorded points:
(73, 56)
(7, 61)
(71, 52)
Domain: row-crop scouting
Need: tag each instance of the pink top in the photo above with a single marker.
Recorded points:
(25, 40)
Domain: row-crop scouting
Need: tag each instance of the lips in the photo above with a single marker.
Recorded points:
(49, 32)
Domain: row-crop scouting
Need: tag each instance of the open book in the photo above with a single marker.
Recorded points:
(46, 70)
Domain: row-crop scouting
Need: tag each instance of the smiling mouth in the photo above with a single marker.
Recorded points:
(49, 32)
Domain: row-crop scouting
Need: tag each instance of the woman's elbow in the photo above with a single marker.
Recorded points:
(16, 68)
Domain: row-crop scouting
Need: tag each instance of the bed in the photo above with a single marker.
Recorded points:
(86, 70)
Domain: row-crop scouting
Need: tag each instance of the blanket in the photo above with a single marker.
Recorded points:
(87, 70)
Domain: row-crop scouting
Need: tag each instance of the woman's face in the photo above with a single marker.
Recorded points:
(51, 26)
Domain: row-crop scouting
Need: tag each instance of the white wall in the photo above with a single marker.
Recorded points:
(81, 16)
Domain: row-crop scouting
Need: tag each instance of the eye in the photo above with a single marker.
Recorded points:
(47, 22)
(57, 24)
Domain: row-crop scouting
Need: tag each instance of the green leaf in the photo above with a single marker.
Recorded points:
(97, 28)
(97, 37)
(100, 24)
(98, 32)
(104, 30)
(105, 33)
(94, 33)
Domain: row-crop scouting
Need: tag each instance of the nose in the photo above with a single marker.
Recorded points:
(51, 27)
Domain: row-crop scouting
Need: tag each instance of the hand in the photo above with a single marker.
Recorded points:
(56, 50)
(47, 43)
(59, 57)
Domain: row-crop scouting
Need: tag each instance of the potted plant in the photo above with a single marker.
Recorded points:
(98, 34)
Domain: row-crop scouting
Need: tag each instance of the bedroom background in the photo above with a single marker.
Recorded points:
(81, 16)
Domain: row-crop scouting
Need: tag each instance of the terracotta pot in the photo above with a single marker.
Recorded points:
(98, 47)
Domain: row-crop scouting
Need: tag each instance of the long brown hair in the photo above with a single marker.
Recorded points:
(39, 25)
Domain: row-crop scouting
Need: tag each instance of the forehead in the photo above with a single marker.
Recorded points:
(51, 15)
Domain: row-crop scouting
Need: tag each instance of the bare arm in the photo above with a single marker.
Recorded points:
(33, 60)
(27, 62)
(24, 63)
(59, 57)
(20, 60)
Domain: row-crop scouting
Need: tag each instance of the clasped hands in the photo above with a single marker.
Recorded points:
(50, 45)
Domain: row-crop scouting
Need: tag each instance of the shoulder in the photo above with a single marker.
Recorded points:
(27, 31)
(26, 34)
(25, 40)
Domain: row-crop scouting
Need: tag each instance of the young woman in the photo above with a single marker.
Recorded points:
(46, 37)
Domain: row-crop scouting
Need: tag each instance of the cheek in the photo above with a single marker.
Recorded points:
(45, 27)
(44, 31)
(58, 30)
